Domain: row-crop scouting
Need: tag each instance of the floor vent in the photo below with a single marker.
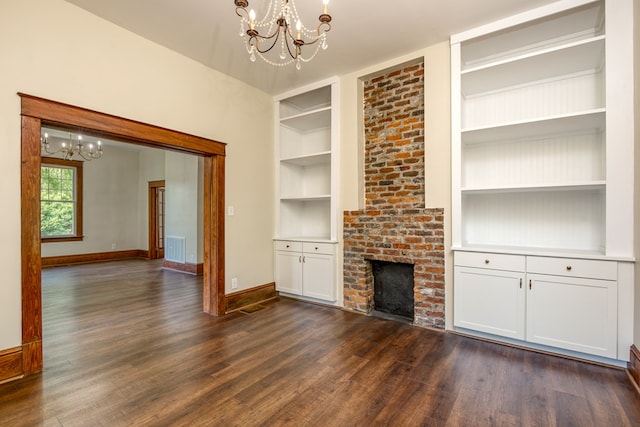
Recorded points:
(175, 248)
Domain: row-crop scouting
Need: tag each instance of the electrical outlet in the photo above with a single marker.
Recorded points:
(234, 283)
(113, 246)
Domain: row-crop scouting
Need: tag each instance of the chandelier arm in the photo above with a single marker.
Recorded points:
(323, 24)
(259, 37)
(291, 54)
(244, 14)
(319, 31)
(47, 149)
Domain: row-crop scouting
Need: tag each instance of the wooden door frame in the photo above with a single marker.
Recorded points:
(152, 202)
(36, 112)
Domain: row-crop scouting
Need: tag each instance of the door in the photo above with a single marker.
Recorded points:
(491, 301)
(573, 313)
(289, 272)
(156, 219)
(317, 276)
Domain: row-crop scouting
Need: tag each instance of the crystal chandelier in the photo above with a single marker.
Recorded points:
(71, 148)
(261, 36)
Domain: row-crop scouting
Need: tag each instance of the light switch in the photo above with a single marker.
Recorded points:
(230, 211)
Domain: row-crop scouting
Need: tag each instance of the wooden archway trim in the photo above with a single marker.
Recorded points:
(36, 112)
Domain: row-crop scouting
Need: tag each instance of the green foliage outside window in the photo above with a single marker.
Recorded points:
(57, 201)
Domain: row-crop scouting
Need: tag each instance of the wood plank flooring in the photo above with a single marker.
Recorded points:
(126, 344)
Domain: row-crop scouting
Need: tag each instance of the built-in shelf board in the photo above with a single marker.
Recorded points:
(309, 160)
(564, 60)
(591, 120)
(310, 120)
(508, 40)
(582, 186)
(320, 197)
(304, 102)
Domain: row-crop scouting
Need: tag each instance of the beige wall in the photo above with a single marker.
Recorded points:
(151, 169)
(636, 216)
(183, 202)
(110, 202)
(55, 50)
(437, 142)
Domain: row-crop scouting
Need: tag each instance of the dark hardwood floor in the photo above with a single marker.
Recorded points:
(126, 344)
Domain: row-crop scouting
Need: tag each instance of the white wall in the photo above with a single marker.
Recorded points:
(110, 206)
(437, 142)
(183, 202)
(58, 51)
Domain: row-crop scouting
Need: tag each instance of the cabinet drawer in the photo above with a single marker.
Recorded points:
(318, 248)
(288, 245)
(594, 269)
(488, 260)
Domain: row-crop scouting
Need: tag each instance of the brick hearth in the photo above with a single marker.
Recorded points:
(395, 226)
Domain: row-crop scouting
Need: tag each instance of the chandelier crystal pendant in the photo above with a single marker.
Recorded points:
(272, 33)
(69, 149)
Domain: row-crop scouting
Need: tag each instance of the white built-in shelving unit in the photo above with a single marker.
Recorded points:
(538, 134)
(307, 188)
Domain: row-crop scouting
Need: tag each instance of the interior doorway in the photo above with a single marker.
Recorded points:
(156, 219)
(36, 112)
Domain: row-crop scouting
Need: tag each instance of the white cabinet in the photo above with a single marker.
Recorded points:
(306, 156)
(306, 269)
(576, 314)
(289, 267)
(565, 303)
(489, 293)
(573, 304)
(490, 301)
(542, 168)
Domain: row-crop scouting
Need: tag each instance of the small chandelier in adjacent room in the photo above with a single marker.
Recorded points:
(68, 149)
(272, 37)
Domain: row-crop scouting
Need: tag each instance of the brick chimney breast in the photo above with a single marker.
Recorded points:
(395, 226)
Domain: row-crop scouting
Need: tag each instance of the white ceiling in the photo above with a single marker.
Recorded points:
(365, 32)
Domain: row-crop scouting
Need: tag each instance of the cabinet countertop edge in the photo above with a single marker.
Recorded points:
(523, 252)
(304, 239)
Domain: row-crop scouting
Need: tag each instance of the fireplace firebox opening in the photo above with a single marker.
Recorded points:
(393, 288)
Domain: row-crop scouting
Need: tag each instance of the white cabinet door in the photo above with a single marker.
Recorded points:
(490, 301)
(573, 313)
(289, 272)
(318, 273)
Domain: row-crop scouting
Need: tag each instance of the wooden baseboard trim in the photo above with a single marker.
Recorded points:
(32, 360)
(239, 300)
(195, 269)
(93, 257)
(142, 253)
(634, 366)
(10, 364)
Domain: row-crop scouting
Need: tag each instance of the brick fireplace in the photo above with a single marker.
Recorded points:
(395, 226)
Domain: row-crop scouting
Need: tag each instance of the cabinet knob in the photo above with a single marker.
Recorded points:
(569, 268)
(486, 261)
(287, 246)
(316, 248)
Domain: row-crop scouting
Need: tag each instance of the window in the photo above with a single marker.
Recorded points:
(60, 200)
